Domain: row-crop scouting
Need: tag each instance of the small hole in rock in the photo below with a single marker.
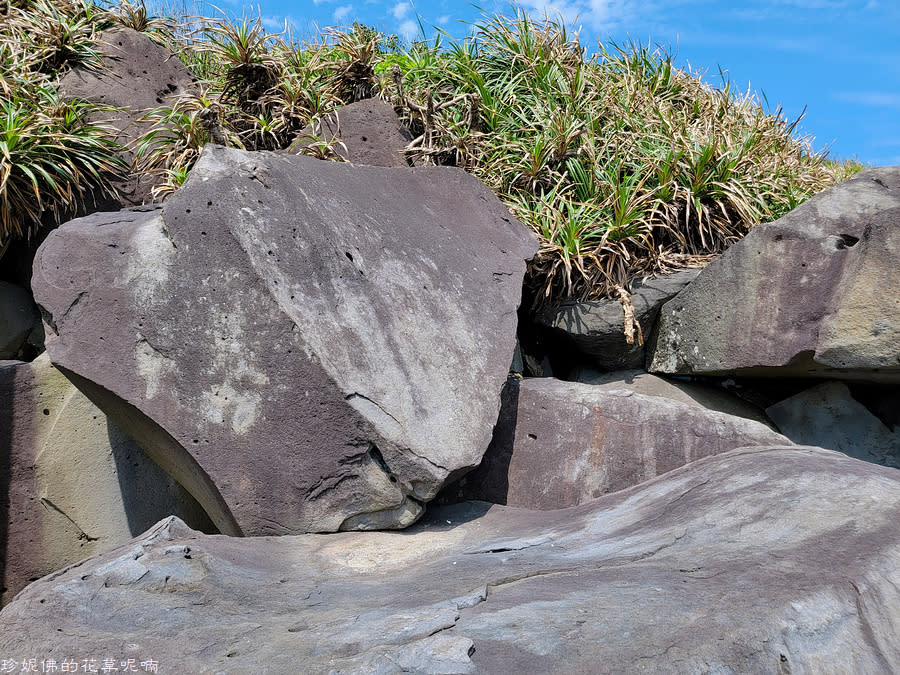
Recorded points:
(46, 411)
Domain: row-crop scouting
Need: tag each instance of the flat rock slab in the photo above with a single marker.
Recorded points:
(366, 132)
(698, 394)
(73, 484)
(828, 416)
(304, 345)
(758, 560)
(596, 329)
(559, 444)
(816, 293)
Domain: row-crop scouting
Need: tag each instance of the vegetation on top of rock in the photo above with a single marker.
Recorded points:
(623, 164)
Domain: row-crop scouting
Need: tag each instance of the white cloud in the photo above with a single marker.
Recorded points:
(341, 12)
(408, 30)
(444, 19)
(400, 10)
(879, 99)
(599, 15)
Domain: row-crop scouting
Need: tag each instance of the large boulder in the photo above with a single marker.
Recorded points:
(366, 132)
(305, 345)
(136, 76)
(756, 561)
(596, 329)
(74, 484)
(827, 415)
(560, 444)
(816, 293)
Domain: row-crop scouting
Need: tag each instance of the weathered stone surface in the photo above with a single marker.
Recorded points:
(816, 293)
(137, 76)
(73, 484)
(691, 393)
(758, 560)
(597, 328)
(18, 316)
(369, 132)
(304, 345)
(560, 444)
(828, 416)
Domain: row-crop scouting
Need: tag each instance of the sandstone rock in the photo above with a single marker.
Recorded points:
(565, 443)
(137, 76)
(692, 393)
(369, 132)
(596, 329)
(816, 293)
(18, 317)
(758, 560)
(305, 345)
(74, 485)
(827, 415)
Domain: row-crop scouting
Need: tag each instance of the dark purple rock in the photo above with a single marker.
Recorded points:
(596, 329)
(366, 132)
(816, 293)
(137, 76)
(560, 444)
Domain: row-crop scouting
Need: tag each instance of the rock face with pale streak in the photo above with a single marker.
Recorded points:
(304, 345)
(559, 444)
(73, 484)
(816, 293)
(757, 560)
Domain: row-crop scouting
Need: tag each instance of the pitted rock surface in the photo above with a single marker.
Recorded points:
(304, 345)
(757, 560)
(137, 75)
(366, 132)
(558, 444)
(816, 293)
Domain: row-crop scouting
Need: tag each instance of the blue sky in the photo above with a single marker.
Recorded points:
(839, 59)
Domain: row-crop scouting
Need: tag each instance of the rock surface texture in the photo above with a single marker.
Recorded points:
(18, 317)
(597, 328)
(816, 293)
(759, 560)
(304, 345)
(560, 444)
(702, 395)
(828, 416)
(73, 484)
(137, 76)
(366, 132)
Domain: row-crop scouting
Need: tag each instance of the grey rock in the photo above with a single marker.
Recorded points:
(366, 132)
(827, 415)
(304, 345)
(18, 317)
(757, 560)
(75, 485)
(816, 293)
(597, 328)
(559, 444)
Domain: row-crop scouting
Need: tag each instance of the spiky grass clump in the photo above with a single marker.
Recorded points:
(51, 158)
(622, 163)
